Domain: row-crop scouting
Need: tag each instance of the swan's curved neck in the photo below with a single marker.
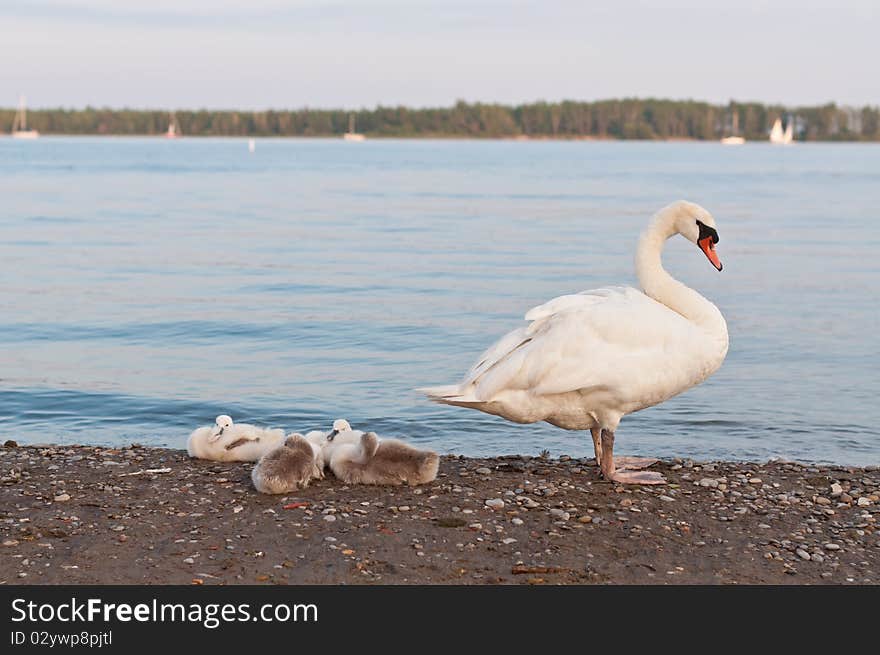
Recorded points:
(662, 287)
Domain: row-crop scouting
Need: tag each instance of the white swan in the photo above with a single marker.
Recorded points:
(588, 359)
(226, 441)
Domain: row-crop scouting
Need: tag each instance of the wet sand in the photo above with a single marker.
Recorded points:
(80, 514)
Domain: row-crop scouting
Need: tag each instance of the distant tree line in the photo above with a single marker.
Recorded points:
(629, 118)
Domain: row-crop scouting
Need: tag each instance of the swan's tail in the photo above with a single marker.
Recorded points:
(452, 394)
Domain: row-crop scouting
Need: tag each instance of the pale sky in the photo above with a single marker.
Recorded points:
(261, 54)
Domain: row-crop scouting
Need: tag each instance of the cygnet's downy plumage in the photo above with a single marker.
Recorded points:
(320, 439)
(226, 441)
(289, 467)
(362, 458)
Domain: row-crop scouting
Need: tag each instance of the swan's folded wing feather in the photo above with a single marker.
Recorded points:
(572, 301)
(515, 339)
(495, 353)
(598, 338)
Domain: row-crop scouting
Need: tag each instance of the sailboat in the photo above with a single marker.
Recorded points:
(19, 125)
(351, 135)
(733, 139)
(778, 137)
(173, 128)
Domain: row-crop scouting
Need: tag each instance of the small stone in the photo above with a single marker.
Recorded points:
(516, 521)
(560, 514)
(832, 546)
(836, 489)
(763, 526)
(863, 502)
(330, 518)
(818, 557)
(60, 498)
(755, 481)
(189, 560)
(237, 509)
(586, 518)
(10, 542)
(800, 552)
(708, 483)
(508, 541)
(495, 503)
(821, 500)
(404, 508)
(668, 499)
(330, 539)
(483, 471)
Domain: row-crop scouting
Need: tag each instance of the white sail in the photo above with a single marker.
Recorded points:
(789, 132)
(776, 135)
(19, 124)
(173, 128)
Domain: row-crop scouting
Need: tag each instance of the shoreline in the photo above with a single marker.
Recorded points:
(143, 515)
(431, 137)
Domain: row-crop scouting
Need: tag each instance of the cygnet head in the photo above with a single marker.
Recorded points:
(292, 438)
(339, 425)
(223, 422)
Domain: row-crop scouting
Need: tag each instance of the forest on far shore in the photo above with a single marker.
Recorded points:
(605, 119)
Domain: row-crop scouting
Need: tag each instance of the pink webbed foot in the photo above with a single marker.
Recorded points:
(637, 477)
(634, 463)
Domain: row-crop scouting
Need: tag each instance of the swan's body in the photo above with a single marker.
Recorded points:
(586, 360)
(356, 457)
(226, 441)
(289, 467)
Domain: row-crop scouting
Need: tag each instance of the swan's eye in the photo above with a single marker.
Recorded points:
(706, 231)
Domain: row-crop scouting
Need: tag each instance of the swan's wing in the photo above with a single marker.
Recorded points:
(520, 337)
(495, 353)
(576, 301)
(601, 338)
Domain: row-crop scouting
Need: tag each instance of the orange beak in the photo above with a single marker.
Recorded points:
(707, 245)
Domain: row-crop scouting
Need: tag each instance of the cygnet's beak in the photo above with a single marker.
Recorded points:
(332, 434)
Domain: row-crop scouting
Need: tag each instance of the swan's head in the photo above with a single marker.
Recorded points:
(293, 439)
(222, 423)
(339, 425)
(697, 226)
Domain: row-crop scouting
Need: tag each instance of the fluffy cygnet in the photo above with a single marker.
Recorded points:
(362, 458)
(287, 468)
(226, 441)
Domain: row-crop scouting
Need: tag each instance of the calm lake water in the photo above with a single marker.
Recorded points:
(149, 285)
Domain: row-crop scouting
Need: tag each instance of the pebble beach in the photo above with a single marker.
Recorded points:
(139, 515)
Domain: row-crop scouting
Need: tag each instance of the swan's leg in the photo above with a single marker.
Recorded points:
(622, 463)
(626, 477)
(596, 433)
